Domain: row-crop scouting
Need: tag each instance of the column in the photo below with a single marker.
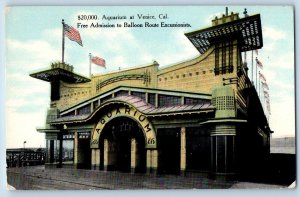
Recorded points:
(156, 100)
(92, 106)
(105, 154)
(133, 155)
(152, 161)
(148, 162)
(182, 150)
(93, 159)
(109, 155)
(182, 100)
(97, 158)
(60, 151)
(146, 96)
(76, 149)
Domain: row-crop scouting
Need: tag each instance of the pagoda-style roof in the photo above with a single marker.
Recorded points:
(246, 30)
(60, 71)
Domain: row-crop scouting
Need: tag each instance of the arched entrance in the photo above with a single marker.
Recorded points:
(111, 139)
(122, 146)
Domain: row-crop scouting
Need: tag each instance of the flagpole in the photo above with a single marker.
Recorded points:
(265, 106)
(245, 59)
(90, 56)
(252, 67)
(63, 40)
(258, 85)
(256, 73)
(263, 102)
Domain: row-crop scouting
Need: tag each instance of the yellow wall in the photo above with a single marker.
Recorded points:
(151, 69)
(195, 75)
(71, 94)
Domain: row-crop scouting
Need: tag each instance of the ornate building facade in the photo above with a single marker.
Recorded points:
(201, 115)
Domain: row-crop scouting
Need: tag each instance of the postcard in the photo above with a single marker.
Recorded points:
(157, 97)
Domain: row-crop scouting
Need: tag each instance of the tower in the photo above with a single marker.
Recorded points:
(239, 115)
(59, 72)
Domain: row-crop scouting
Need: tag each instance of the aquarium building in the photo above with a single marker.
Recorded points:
(199, 115)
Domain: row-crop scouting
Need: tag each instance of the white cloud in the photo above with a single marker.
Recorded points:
(283, 117)
(273, 33)
(15, 103)
(211, 17)
(273, 39)
(290, 87)
(22, 127)
(37, 50)
(26, 103)
(52, 33)
(284, 60)
(187, 47)
(181, 50)
(21, 87)
(119, 61)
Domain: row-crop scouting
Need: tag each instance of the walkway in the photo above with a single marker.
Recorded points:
(39, 178)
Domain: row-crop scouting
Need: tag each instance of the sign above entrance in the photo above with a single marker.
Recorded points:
(130, 112)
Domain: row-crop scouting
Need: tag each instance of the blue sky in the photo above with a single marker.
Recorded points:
(33, 41)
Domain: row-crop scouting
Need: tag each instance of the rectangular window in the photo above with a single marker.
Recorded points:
(50, 151)
(223, 58)
(84, 135)
(68, 151)
(220, 154)
(230, 151)
(141, 95)
(213, 150)
(230, 54)
(167, 100)
(217, 59)
(106, 98)
(151, 98)
(121, 93)
(194, 101)
(56, 150)
(72, 113)
(55, 93)
(96, 104)
(84, 110)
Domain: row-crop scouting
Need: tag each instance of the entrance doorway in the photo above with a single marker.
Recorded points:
(169, 151)
(122, 145)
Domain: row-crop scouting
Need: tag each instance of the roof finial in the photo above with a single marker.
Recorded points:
(245, 12)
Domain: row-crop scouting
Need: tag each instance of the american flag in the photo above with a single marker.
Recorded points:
(72, 34)
(269, 108)
(258, 63)
(266, 94)
(261, 76)
(98, 61)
